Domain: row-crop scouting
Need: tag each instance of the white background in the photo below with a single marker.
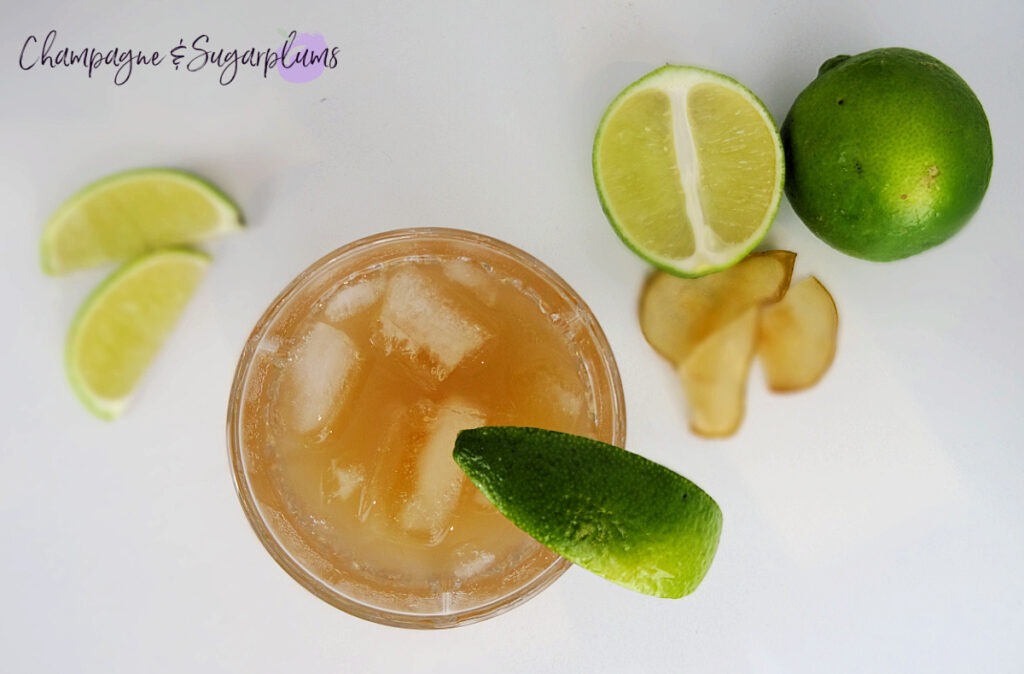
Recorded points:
(872, 524)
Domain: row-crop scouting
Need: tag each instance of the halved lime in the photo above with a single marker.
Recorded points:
(133, 212)
(122, 325)
(689, 168)
(613, 512)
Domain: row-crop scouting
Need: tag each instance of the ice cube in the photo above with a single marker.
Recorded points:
(270, 343)
(318, 376)
(418, 320)
(350, 299)
(341, 481)
(561, 397)
(471, 561)
(438, 480)
(398, 434)
(474, 278)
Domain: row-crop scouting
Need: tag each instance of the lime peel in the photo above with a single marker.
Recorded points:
(615, 513)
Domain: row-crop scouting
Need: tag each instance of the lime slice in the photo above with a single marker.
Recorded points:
(122, 325)
(133, 212)
(689, 168)
(612, 512)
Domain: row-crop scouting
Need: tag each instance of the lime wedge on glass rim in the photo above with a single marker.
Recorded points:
(120, 327)
(133, 212)
(615, 513)
(689, 167)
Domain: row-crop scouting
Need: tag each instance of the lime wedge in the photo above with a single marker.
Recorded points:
(689, 169)
(615, 513)
(133, 212)
(121, 326)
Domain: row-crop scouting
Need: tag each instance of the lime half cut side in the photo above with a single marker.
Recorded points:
(122, 325)
(615, 513)
(133, 212)
(689, 168)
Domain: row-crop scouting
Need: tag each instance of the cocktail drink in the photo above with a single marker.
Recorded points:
(347, 400)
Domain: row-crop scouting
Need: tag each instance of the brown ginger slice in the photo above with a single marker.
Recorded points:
(715, 373)
(797, 337)
(677, 314)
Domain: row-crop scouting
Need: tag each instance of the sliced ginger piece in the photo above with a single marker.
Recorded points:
(797, 337)
(714, 376)
(677, 314)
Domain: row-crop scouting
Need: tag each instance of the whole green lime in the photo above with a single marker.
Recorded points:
(888, 153)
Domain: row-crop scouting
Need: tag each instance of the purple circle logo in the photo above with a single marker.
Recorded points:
(303, 57)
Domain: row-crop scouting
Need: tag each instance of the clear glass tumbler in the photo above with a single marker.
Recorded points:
(342, 556)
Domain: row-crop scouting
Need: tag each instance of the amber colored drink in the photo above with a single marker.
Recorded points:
(348, 399)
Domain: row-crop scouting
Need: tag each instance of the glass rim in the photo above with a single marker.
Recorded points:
(607, 372)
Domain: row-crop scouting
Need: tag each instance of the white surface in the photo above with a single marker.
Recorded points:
(873, 524)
